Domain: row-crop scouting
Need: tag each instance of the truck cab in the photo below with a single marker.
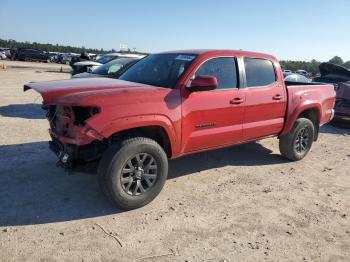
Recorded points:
(245, 85)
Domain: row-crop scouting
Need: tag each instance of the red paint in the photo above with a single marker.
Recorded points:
(204, 83)
(193, 121)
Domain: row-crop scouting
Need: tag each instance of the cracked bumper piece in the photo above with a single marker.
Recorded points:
(82, 136)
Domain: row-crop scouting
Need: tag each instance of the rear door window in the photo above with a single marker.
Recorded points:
(259, 72)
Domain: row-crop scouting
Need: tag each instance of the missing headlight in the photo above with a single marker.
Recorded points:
(83, 113)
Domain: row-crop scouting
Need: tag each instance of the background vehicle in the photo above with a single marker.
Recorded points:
(92, 56)
(340, 77)
(302, 72)
(66, 58)
(25, 54)
(342, 104)
(85, 66)
(10, 53)
(2, 55)
(111, 69)
(53, 56)
(177, 103)
(290, 77)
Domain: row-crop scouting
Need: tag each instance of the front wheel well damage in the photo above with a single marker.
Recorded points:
(77, 156)
(156, 133)
(313, 115)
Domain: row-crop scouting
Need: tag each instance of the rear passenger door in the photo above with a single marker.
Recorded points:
(265, 103)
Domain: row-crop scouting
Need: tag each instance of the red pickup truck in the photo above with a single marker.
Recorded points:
(176, 103)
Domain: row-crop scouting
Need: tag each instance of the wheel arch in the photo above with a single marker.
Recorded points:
(314, 115)
(155, 132)
(310, 111)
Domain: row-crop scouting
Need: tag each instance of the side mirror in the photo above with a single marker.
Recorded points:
(203, 83)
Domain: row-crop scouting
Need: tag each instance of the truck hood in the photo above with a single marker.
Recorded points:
(74, 90)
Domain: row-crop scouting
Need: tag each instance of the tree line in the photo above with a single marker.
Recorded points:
(312, 66)
(13, 44)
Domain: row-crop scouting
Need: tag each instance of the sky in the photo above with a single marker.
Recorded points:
(295, 30)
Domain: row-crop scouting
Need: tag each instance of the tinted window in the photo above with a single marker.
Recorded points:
(159, 69)
(223, 68)
(259, 72)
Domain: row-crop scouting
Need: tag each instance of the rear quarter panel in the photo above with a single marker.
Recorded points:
(304, 97)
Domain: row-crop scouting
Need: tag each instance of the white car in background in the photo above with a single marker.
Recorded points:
(112, 69)
(2, 55)
(89, 65)
(296, 78)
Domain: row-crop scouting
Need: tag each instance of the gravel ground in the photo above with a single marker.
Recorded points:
(244, 203)
(35, 65)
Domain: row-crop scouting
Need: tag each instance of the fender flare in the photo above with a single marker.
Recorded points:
(125, 123)
(290, 120)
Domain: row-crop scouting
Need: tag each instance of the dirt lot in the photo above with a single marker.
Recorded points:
(244, 203)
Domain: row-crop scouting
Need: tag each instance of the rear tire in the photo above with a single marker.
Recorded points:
(132, 173)
(297, 143)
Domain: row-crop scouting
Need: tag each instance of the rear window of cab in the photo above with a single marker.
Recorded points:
(259, 72)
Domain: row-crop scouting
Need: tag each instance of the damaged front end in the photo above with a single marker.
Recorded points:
(73, 141)
(74, 110)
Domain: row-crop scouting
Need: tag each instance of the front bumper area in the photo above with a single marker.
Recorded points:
(82, 136)
(64, 153)
(72, 156)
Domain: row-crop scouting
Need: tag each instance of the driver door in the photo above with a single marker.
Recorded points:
(213, 118)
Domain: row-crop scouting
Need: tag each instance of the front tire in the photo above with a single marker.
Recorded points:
(132, 173)
(297, 143)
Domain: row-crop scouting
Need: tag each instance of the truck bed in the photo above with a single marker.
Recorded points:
(302, 96)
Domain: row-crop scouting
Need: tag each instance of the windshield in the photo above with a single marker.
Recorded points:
(161, 70)
(105, 59)
(112, 67)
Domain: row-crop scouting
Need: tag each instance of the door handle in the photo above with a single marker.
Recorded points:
(277, 97)
(236, 101)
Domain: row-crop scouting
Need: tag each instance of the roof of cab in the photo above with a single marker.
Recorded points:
(221, 52)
